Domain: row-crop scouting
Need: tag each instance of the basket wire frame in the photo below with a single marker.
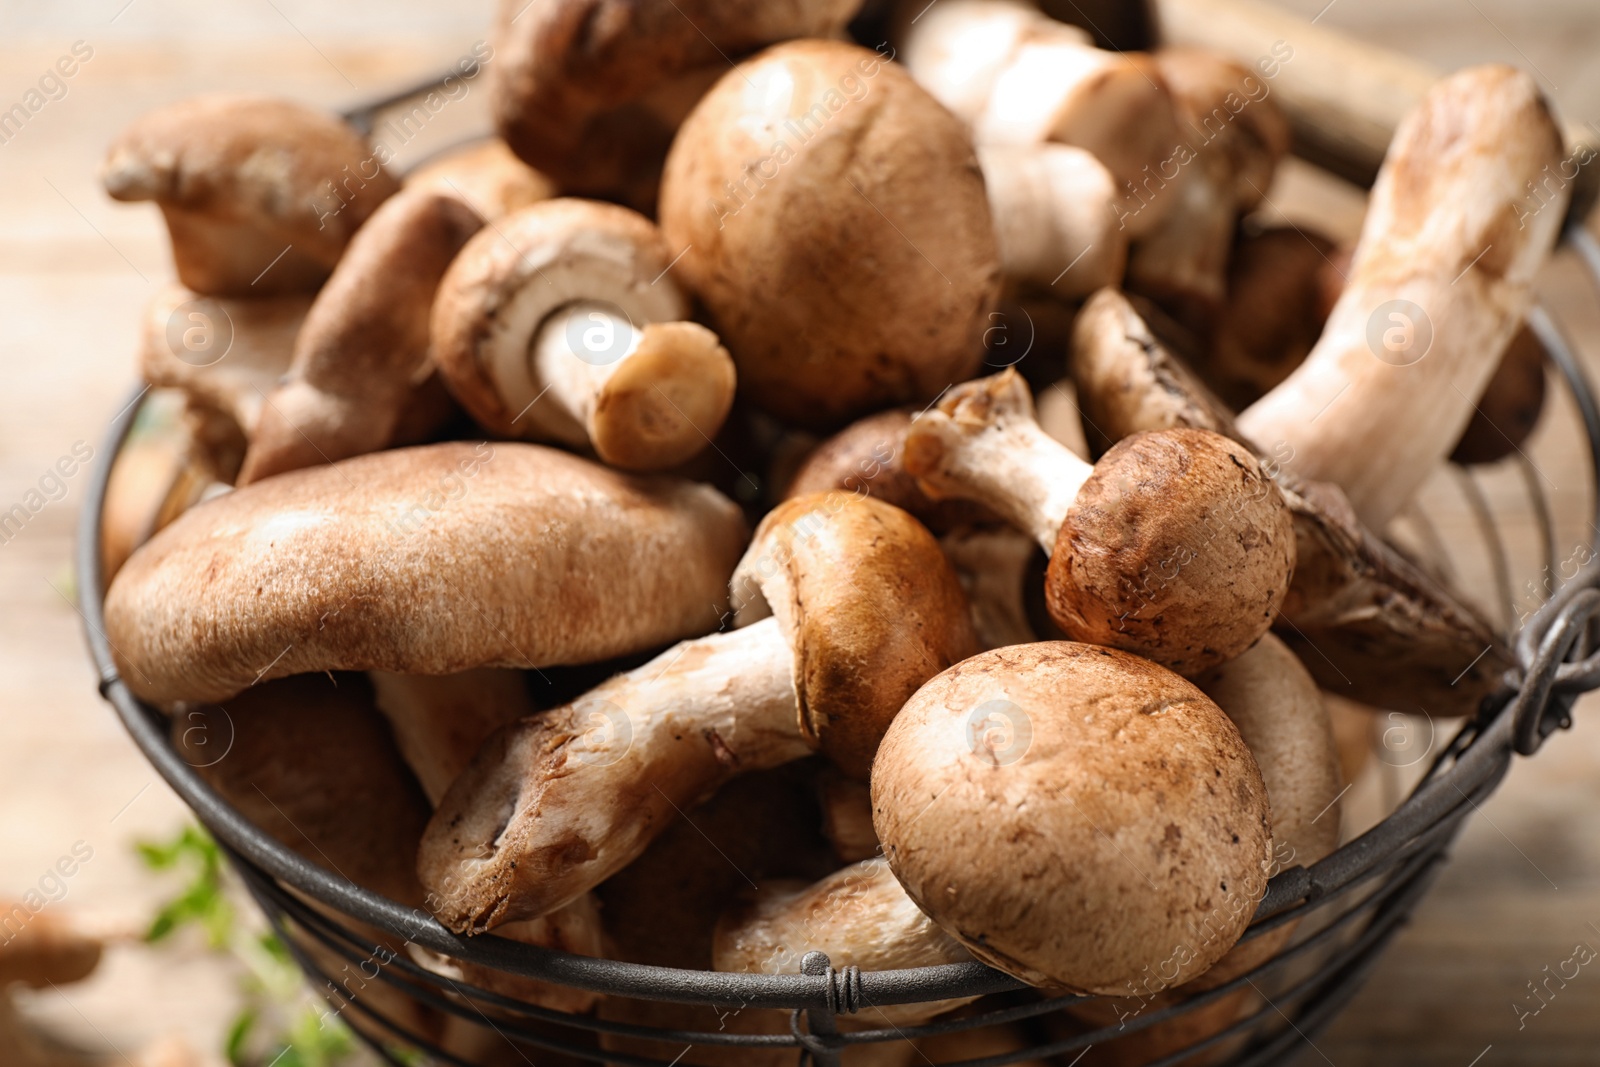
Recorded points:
(1349, 905)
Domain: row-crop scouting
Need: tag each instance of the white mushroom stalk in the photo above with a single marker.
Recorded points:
(1441, 280)
(1055, 217)
(561, 323)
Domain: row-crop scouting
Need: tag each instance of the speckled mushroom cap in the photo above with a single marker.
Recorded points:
(427, 560)
(870, 607)
(836, 226)
(511, 276)
(243, 180)
(1074, 815)
(568, 75)
(1178, 545)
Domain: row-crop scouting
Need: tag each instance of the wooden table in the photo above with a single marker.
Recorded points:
(75, 269)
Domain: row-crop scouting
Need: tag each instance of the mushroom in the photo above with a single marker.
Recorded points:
(226, 353)
(856, 608)
(1019, 77)
(1441, 280)
(590, 92)
(363, 348)
(260, 195)
(45, 948)
(560, 323)
(1028, 798)
(1000, 570)
(1356, 609)
(1234, 138)
(158, 474)
(426, 560)
(1175, 545)
(485, 176)
(858, 915)
(1055, 217)
(846, 806)
(796, 162)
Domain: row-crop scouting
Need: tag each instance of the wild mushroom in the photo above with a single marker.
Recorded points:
(864, 609)
(159, 473)
(560, 323)
(1234, 137)
(590, 93)
(1019, 77)
(485, 176)
(1174, 545)
(363, 348)
(1441, 281)
(858, 915)
(440, 721)
(1012, 789)
(1055, 217)
(260, 195)
(1366, 622)
(791, 166)
(426, 560)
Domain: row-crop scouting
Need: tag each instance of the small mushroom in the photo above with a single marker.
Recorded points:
(591, 92)
(864, 609)
(1175, 545)
(41, 948)
(1441, 280)
(858, 915)
(1054, 217)
(363, 348)
(1366, 621)
(561, 323)
(1071, 813)
(832, 217)
(485, 176)
(1018, 77)
(260, 195)
(426, 560)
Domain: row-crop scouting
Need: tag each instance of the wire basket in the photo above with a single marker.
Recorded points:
(1343, 910)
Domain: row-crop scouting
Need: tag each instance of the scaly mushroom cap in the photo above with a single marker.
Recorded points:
(428, 560)
(858, 915)
(664, 399)
(364, 345)
(485, 176)
(569, 76)
(865, 457)
(1178, 545)
(793, 164)
(243, 180)
(869, 605)
(1072, 813)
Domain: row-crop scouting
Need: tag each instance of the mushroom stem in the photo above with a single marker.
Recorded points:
(1054, 217)
(588, 785)
(988, 447)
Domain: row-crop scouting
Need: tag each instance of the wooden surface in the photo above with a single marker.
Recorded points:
(75, 269)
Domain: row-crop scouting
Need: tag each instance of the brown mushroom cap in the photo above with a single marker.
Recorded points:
(1229, 109)
(40, 948)
(243, 180)
(571, 78)
(835, 223)
(868, 603)
(1178, 546)
(1073, 813)
(429, 560)
(364, 345)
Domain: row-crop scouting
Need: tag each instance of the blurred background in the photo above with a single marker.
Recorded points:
(1522, 891)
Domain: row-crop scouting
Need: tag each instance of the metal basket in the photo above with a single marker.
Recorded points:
(1347, 906)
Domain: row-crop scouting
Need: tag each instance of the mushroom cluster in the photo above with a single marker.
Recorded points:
(637, 487)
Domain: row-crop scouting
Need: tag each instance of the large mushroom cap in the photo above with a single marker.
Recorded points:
(869, 605)
(1074, 815)
(1178, 546)
(833, 218)
(428, 560)
(244, 180)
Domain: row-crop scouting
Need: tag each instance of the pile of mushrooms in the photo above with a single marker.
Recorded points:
(635, 482)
